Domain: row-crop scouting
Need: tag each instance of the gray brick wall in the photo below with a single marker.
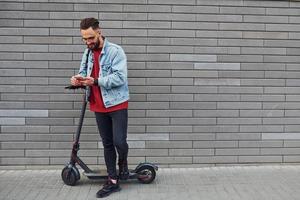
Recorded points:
(212, 82)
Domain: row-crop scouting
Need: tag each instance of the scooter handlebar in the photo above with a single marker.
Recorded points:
(72, 87)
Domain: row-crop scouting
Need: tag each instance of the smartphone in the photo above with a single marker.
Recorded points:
(79, 78)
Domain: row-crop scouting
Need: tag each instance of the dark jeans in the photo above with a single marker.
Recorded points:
(113, 131)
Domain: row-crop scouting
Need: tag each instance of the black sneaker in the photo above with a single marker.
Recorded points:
(123, 170)
(108, 188)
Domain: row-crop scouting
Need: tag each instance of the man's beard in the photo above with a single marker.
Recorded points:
(94, 46)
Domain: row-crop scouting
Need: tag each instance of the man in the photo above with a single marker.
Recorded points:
(106, 74)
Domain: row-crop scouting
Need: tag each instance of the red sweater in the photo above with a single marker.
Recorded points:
(96, 101)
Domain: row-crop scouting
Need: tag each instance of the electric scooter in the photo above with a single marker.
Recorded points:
(144, 172)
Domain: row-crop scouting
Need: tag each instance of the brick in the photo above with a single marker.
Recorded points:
(11, 104)
(145, 40)
(241, 74)
(148, 121)
(148, 137)
(193, 121)
(191, 152)
(147, 8)
(24, 31)
(260, 159)
(279, 151)
(11, 6)
(10, 40)
(243, 10)
(11, 137)
(13, 89)
(149, 105)
(266, 19)
(282, 11)
(26, 161)
(12, 121)
(242, 26)
(170, 97)
(149, 73)
(9, 56)
(191, 57)
(215, 144)
(264, 51)
(169, 113)
(11, 22)
(169, 81)
(261, 128)
(238, 136)
(265, 35)
(217, 82)
(215, 159)
(216, 129)
(136, 81)
(48, 23)
(23, 113)
(194, 89)
(192, 136)
(164, 129)
(240, 58)
(171, 33)
(176, 2)
(219, 34)
(217, 66)
(169, 160)
(48, 105)
(239, 105)
(262, 113)
(266, 3)
(147, 57)
(172, 16)
(193, 105)
(47, 56)
(280, 136)
(148, 152)
(262, 66)
(25, 129)
(215, 113)
(219, 18)
(239, 121)
(25, 145)
(49, 121)
(260, 144)
(263, 82)
(169, 49)
(48, 6)
(238, 151)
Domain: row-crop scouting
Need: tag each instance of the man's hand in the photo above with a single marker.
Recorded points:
(76, 80)
(87, 81)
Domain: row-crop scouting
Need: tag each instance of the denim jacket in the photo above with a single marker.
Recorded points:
(112, 79)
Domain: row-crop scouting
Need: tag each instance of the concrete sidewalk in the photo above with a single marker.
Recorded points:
(209, 183)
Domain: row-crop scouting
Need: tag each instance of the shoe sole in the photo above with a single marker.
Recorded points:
(108, 193)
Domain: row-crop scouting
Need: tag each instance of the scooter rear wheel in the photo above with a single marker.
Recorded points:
(68, 175)
(146, 174)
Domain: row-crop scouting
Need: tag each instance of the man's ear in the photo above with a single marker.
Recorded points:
(98, 31)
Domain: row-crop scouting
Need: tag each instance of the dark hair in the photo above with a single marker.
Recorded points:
(89, 22)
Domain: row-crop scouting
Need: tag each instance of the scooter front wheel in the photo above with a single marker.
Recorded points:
(146, 174)
(68, 175)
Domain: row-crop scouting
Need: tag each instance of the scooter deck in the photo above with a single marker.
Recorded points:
(103, 175)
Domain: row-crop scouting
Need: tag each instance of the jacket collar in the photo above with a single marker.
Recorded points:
(105, 43)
